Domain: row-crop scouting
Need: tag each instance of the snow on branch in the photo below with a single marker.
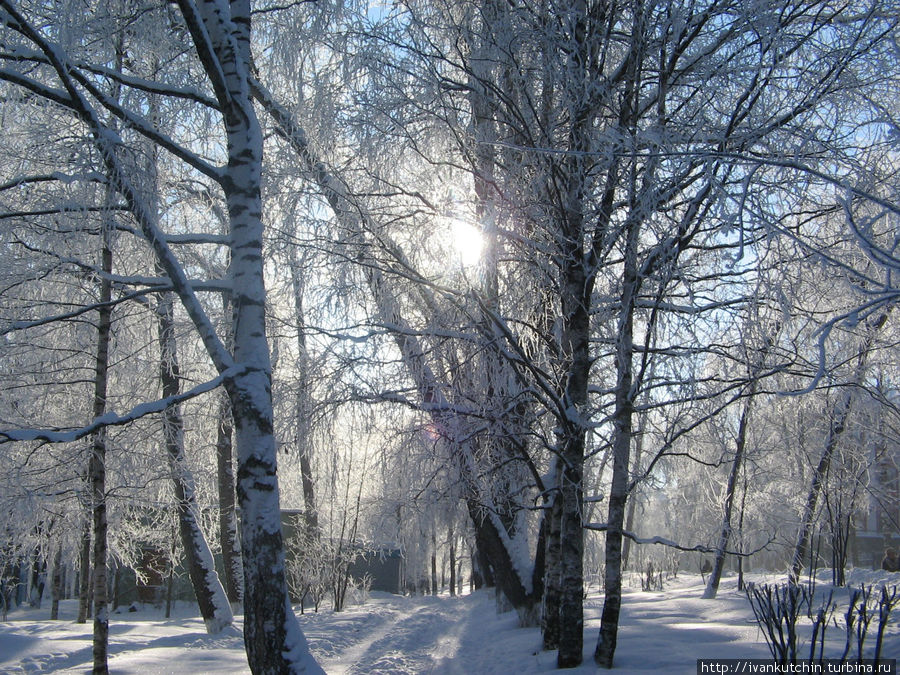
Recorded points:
(55, 176)
(43, 321)
(874, 314)
(145, 128)
(50, 93)
(151, 86)
(662, 541)
(111, 419)
(107, 142)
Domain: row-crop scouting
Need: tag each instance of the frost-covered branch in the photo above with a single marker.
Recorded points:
(107, 143)
(669, 543)
(87, 309)
(111, 419)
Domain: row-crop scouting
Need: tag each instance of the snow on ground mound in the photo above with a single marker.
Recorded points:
(665, 631)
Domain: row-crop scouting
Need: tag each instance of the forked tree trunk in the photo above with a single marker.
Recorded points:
(489, 536)
(837, 424)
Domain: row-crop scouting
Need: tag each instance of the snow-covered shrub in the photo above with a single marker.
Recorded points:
(779, 609)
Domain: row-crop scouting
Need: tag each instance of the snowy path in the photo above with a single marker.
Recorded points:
(390, 635)
(420, 635)
(426, 641)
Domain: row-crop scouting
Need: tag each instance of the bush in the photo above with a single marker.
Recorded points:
(778, 609)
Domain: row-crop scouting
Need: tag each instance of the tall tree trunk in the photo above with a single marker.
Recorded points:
(451, 538)
(550, 612)
(575, 299)
(272, 635)
(97, 464)
(56, 584)
(228, 522)
(571, 489)
(208, 590)
(304, 407)
(837, 423)
(622, 437)
(712, 584)
(84, 573)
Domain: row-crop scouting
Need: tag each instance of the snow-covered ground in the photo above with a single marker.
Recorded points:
(663, 631)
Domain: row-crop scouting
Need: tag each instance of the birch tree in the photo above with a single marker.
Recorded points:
(220, 34)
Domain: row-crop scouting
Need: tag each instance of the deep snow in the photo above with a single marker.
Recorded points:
(660, 632)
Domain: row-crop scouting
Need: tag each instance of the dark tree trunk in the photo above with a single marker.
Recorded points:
(434, 573)
(741, 533)
(38, 570)
(452, 539)
(504, 575)
(228, 525)
(304, 408)
(712, 584)
(84, 573)
(622, 436)
(550, 613)
(575, 347)
(208, 590)
(57, 584)
(97, 473)
(571, 619)
(116, 586)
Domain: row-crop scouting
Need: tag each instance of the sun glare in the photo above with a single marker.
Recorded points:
(467, 241)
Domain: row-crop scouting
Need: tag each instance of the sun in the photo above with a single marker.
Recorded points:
(467, 241)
